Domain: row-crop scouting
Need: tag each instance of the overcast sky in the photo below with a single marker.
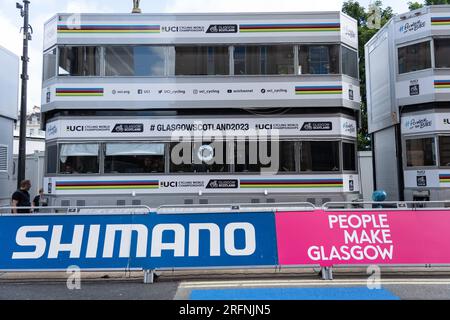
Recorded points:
(42, 10)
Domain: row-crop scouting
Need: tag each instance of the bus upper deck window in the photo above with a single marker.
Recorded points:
(79, 159)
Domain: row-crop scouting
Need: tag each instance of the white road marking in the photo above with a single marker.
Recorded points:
(290, 283)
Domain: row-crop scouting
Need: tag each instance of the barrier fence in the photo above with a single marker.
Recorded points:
(327, 236)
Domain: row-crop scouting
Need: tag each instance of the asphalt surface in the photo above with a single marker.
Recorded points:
(231, 285)
(104, 290)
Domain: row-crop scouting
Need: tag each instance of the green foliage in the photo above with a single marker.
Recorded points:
(414, 5)
(434, 2)
(358, 12)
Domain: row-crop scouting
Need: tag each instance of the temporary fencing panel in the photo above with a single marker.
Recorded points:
(137, 241)
(363, 238)
(152, 241)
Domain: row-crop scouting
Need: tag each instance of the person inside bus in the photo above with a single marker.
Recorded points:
(149, 165)
(68, 169)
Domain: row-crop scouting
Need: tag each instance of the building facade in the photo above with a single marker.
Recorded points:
(9, 86)
(408, 95)
(121, 91)
(34, 133)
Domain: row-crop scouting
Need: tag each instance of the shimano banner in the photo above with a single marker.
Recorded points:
(137, 241)
(363, 237)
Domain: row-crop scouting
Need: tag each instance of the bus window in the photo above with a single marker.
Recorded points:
(79, 159)
(198, 157)
(444, 151)
(421, 152)
(52, 158)
(201, 60)
(319, 59)
(349, 155)
(79, 61)
(319, 156)
(281, 156)
(134, 61)
(414, 57)
(134, 158)
(257, 60)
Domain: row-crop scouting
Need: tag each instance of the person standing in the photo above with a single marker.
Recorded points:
(39, 200)
(21, 198)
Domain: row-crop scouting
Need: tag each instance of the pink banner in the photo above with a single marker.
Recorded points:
(352, 238)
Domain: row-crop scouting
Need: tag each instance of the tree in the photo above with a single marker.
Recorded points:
(414, 5)
(360, 14)
(433, 2)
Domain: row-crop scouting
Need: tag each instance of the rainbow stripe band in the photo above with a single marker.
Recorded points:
(444, 178)
(106, 185)
(294, 183)
(318, 90)
(293, 27)
(440, 21)
(109, 29)
(79, 92)
(442, 84)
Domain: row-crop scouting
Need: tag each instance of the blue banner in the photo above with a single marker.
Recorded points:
(137, 241)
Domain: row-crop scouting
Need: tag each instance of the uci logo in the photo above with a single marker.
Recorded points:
(264, 127)
(169, 29)
(75, 128)
(169, 184)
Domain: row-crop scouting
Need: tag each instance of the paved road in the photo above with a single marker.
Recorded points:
(344, 289)
(263, 288)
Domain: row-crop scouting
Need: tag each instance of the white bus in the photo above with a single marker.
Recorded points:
(408, 97)
(175, 109)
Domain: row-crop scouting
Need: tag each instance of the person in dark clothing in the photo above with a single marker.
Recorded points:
(21, 198)
(39, 200)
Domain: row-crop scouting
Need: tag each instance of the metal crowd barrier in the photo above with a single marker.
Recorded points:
(242, 207)
(394, 205)
(326, 272)
(239, 208)
(65, 210)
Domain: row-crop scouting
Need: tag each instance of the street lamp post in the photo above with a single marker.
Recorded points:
(24, 12)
